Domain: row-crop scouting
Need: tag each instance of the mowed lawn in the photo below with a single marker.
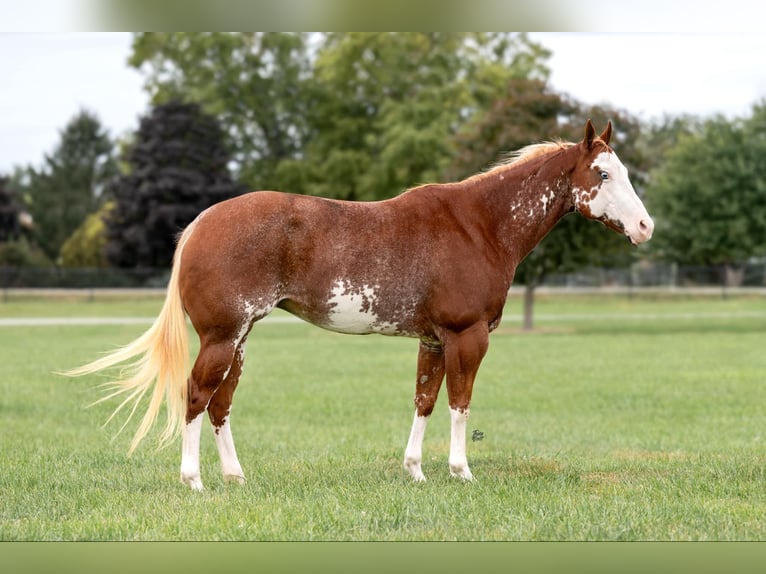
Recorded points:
(618, 419)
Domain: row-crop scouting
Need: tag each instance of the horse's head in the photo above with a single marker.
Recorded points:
(602, 191)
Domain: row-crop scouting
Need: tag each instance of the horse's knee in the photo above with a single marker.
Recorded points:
(424, 403)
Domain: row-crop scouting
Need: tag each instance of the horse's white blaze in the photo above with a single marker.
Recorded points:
(224, 441)
(413, 454)
(351, 310)
(616, 199)
(190, 474)
(458, 463)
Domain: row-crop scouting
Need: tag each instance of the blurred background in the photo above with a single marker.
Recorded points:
(112, 142)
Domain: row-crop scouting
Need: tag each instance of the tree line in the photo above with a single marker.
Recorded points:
(364, 116)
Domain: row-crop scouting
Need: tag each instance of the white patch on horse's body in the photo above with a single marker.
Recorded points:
(249, 309)
(413, 454)
(352, 310)
(250, 312)
(544, 201)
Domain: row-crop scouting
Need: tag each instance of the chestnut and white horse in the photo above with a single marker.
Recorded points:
(435, 263)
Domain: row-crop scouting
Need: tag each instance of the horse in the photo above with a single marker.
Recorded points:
(434, 263)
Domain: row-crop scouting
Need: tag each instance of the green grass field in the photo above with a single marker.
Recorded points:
(618, 419)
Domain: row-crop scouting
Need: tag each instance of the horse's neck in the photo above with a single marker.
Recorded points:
(523, 204)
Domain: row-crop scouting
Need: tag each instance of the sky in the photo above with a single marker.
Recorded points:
(48, 77)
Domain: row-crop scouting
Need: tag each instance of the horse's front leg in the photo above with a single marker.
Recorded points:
(464, 352)
(429, 380)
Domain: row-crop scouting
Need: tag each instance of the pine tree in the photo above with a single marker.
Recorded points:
(178, 168)
(70, 184)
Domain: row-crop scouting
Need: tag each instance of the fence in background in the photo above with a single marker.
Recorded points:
(643, 276)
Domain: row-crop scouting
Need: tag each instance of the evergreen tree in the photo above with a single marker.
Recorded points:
(178, 168)
(71, 182)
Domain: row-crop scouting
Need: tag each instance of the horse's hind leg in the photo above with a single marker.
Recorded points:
(210, 369)
(219, 410)
(429, 380)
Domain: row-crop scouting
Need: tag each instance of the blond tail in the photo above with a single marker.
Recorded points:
(160, 360)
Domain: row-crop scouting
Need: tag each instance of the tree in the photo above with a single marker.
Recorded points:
(355, 116)
(71, 182)
(178, 167)
(15, 227)
(390, 104)
(709, 195)
(255, 83)
(86, 246)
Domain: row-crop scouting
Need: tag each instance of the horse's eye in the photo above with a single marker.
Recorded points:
(604, 175)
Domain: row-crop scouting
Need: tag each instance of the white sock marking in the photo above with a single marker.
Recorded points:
(458, 463)
(413, 454)
(190, 474)
(230, 466)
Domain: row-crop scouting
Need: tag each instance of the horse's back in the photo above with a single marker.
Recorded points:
(306, 254)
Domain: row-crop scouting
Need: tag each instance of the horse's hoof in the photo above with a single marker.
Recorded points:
(193, 482)
(461, 472)
(236, 478)
(413, 467)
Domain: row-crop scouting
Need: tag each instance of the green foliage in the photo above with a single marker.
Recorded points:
(627, 431)
(20, 253)
(71, 182)
(355, 116)
(179, 167)
(527, 111)
(389, 104)
(85, 247)
(256, 84)
(709, 194)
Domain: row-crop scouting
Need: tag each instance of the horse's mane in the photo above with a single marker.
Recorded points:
(518, 157)
(533, 151)
(522, 156)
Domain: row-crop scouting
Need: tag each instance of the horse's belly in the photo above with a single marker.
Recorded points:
(358, 311)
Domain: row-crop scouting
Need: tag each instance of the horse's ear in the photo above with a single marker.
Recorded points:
(590, 133)
(607, 133)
